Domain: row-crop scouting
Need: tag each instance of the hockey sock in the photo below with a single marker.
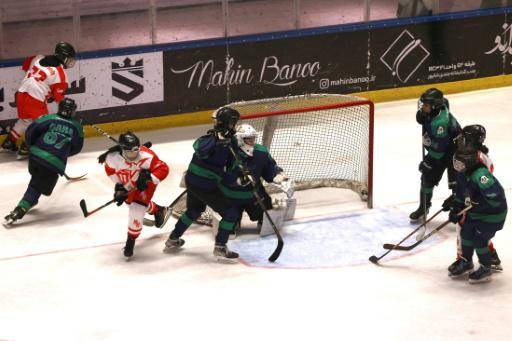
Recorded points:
(426, 194)
(468, 248)
(181, 226)
(30, 198)
(484, 255)
(491, 247)
(152, 208)
(225, 227)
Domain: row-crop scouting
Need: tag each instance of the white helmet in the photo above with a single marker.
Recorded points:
(243, 132)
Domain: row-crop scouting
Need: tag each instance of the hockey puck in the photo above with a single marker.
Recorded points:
(373, 259)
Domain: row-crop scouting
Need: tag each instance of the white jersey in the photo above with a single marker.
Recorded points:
(486, 161)
(42, 82)
(126, 172)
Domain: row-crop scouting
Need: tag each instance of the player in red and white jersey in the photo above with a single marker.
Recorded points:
(136, 170)
(45, 80)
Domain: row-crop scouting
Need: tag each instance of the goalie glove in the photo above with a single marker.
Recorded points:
(279, 178)
(287, 187)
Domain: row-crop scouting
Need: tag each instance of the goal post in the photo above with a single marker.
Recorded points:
(320, 140)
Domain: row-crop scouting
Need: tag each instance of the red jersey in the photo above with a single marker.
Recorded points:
(126, 172)
(39, 84)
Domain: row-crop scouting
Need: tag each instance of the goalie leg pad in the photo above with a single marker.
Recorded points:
(277, 214)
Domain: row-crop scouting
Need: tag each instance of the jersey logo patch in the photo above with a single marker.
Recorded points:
(484, 179)
(440, 130)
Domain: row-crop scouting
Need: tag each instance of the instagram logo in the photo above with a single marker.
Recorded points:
(324, 83)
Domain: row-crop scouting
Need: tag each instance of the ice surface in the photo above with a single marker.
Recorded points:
(63, 277)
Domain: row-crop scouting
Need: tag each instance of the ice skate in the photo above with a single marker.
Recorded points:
(9, 146)
(128, 247)
(496, 262)
(481, 275)
(419, 214)
(160, 216)
(15, 215)
(23, 152)
(459, 268)
(173, 244)
(223, 254)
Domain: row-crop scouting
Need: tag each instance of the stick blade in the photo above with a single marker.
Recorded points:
(274, 256)
(373, 259)
(83, 206)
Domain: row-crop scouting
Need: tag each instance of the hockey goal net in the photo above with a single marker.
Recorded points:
(320, 140)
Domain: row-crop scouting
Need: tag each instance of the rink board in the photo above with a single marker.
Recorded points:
(337, 240)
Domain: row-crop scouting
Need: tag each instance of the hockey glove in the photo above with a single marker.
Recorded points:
(454, 216)
(424, 167)
(280, 177)
(143, 179)
(120, 194)
(448, 203)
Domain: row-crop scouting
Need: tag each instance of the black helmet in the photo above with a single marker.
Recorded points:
(225, 120)
(128, 141)
(434, 97)
(67, 108)
(65, 53)
(474, 134)
(465, 157)
(130, 144)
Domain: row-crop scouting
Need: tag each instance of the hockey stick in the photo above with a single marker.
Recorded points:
(374, 259)
(104, 133)
(421, 232)
(435, 230)
(74, 178)
(247, 172)
(86, 213)
(151, 222)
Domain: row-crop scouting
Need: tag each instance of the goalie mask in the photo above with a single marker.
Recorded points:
(246, 137)
(130, 145)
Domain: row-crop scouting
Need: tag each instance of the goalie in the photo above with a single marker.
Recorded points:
(239, 189)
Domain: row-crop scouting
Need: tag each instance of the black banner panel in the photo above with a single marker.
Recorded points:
(171, 79)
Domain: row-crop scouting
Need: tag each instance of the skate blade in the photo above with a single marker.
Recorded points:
(478, 281)
(496, 268)
(21, 157)
(463, 275)
(148, 222)
(8, 224)
(226, 260)
(172, 249)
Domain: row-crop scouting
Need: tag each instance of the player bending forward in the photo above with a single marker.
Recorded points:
(439, 129)
(474, 135)
(45, 80)
(257, 159)
(136, 171)
(476, 186)
(211, 158)
(51, 140)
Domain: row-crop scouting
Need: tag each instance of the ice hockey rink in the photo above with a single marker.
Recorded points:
(64, 277)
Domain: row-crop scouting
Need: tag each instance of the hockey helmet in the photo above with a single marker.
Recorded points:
(246, 137)
(67, 108)
(130, 145)
(65, 52)
(225, 120)
(435, 99)
(474, 134)
(465, 158)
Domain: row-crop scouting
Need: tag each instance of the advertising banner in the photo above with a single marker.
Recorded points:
(344, 59)
(100, 86)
